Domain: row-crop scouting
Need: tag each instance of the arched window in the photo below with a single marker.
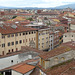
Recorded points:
(62, 58)
(56, 58)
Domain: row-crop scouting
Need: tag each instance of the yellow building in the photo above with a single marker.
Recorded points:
(43, 39)
(13, 37)
(43, 36)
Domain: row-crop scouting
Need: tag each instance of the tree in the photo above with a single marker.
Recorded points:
(30, 19)
(45, 18)
(49, 23)
(14, 17)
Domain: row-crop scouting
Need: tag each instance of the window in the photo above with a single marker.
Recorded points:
(12, 43)
(8, 36)
(72, 35)
(39, 33)
(42, 38)
(32, 32)
(26, 33)
(63, 58)
(12, 50)
(46, 37)
(9, 51)
(26, 40)
(3, 36)
(42, 43)
(42, 46)
(16, 49)
(12, 35)
(29, 39)
(3, 45)
(20, 34)
(16, 34)
(39, 43)
(65, 36)
(51, 40)
(16, 42)
(11, 61)
(29, 32)
(32, 38)
(23, 33)
(2, 52)
(56, 58)
(20, 41)
(9, 44)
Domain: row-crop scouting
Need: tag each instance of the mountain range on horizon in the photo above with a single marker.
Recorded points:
(58, 7)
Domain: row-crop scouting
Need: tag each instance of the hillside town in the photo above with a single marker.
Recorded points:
(37, 42)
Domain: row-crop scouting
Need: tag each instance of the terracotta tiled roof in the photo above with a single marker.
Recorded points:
(60, 70)
(56, 51)
(18, 14)
(27, 48)
(64, 25)
(71, 71)
(73, 22)
(35, 72)
(70, 44)
(23, 68)
(9, 30)
(48, 13)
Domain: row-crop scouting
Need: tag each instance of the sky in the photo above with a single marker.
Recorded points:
(35, 3)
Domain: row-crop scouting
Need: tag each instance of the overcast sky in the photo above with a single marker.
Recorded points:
(35, 3)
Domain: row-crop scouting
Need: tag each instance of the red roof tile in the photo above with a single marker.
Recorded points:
(23, 68)
(9, 29)
(56, 51)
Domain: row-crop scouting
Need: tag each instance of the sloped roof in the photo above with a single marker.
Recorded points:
(9, 29)
(23, 68)
(55, 52)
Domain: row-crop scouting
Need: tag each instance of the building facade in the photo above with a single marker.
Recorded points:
(69, 36)
(12, 39)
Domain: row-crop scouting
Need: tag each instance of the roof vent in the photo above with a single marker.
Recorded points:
(14, 26)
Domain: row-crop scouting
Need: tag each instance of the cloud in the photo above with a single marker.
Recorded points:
(35, 3)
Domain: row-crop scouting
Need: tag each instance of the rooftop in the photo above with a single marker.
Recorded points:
(54, 52)
(9, 30)
(66, 67)
(23, 49)
(23, 68)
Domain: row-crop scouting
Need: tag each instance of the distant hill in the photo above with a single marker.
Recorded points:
(3, 7)
(66, 6)
(58, 7)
